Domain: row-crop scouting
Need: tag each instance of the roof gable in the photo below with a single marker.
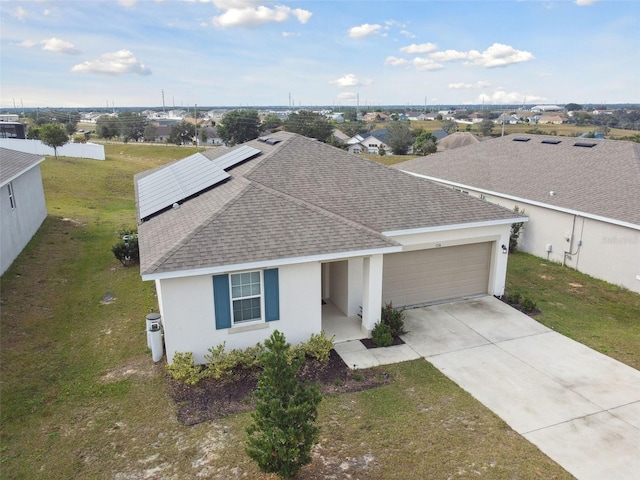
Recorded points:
(14, 163)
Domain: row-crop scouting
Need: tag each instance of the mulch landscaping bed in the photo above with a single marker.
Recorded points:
(368, 342)
(213, 399)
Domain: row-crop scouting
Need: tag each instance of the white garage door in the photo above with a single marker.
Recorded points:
(425, 276)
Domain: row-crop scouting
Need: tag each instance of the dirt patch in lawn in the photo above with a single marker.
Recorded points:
(213, 399)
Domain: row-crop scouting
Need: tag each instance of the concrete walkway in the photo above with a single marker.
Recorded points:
(578, 406)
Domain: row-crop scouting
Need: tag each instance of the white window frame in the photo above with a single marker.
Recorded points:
(250, 296)
(12, 198)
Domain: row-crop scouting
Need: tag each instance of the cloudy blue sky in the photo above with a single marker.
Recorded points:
(85, 53)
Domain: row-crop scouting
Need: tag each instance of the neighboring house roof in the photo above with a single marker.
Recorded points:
(602, 180)
(457, 140)
(381, 134)
(338, 134)
(299, 198)
(14, 163)
(440, 134)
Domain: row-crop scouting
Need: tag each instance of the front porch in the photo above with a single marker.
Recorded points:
(340, 326)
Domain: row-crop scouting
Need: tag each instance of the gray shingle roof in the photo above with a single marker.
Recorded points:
(14, 163)
(299, 198)
(603, 180)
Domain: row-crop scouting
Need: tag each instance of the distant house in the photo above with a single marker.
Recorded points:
(340, 136)
(285, 232)
(22, 203)
(581, 196)
(370, 143)
(507, 119)
(375, 117)
(546, 108)
(551, 120)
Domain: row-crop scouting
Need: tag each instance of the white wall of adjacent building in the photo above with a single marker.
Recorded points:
(20, 223)
(76, 150)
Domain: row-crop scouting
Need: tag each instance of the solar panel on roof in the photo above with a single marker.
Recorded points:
(236, 156)
(177, 182)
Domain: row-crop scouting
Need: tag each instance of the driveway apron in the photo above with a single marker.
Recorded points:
(577, 405)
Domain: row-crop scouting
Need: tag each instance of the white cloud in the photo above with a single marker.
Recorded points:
(127, 3)
(113, 63)
(462, 85)
(499, 55)
(500, 96)
(421, 63)
(19, 13)
(395, 61)
(242, 14)
(347, 96)
(419, 48)
(407, 34)
(364, 30)
(449, 55)
(290, 34)
(585, 2)
(59, 46)
(27, 43)
(350, 80)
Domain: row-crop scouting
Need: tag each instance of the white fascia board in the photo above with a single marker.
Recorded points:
(327, 257)
(21, 172)
(457, 226)
(570, 211)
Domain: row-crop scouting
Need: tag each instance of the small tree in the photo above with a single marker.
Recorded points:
(126, 250)
(283, 430)
(53, 135)
(449, 126)
(486, 127)
(516, 230)
(425, 144)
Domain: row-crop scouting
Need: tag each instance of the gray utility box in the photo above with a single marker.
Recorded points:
(154, 336)
(153, 317)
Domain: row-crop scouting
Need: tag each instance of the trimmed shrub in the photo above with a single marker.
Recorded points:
(514, 298)
(381, 335)
(185, 370)
(126, 250)
(394, 319)
(528, 305)
(319, 347)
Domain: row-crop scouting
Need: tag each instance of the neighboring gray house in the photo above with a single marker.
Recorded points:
(370, 142)
(285, 232)
(22, 204)
(582, 196)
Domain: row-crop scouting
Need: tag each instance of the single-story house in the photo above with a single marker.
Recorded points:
(457, 140)
(581, 196)
(22, 203)
(284, 231)
(551, 120)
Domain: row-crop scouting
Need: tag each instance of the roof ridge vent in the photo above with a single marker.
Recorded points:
(585, 144)
(521, 139)
(551, 141)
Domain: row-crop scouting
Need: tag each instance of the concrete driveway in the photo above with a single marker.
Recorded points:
(578, 406)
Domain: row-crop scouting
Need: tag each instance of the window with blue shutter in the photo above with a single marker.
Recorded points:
(271, 295)
(221, 303)
(238, 297)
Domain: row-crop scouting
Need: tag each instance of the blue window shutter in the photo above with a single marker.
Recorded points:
(271, 295)
(222, 301)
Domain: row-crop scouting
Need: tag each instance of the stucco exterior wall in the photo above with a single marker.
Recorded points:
(498, 234)
(18, 225)
(603, 250)
(187, 309)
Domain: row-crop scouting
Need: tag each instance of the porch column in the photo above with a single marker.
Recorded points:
(371, 292)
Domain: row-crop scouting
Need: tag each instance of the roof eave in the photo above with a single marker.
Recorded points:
(269, 263)
(457, 226)
(536, 203)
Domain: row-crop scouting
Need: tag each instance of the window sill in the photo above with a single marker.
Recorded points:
(248, 328)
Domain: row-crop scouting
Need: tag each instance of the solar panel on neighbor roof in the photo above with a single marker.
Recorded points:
(177, 182)
(236, 156)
